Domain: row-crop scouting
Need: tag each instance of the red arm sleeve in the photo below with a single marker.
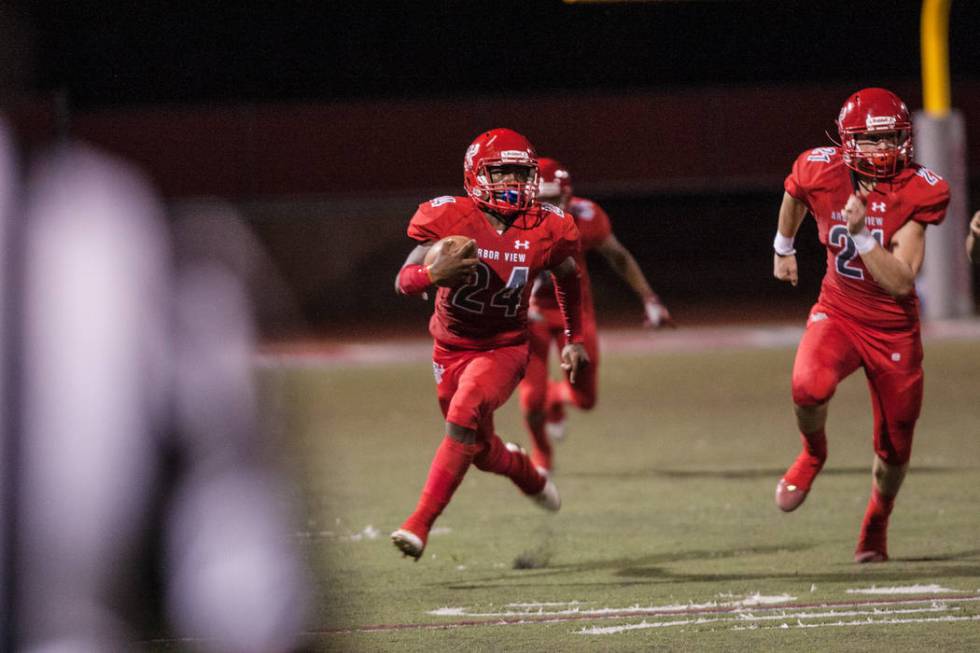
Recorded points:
(568, 289)
(414, 279)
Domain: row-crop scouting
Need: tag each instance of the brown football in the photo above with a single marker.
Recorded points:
(450, 244)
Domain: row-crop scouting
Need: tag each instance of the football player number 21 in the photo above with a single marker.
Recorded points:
(838, 237)
(507, 298)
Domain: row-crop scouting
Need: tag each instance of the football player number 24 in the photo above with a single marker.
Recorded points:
(508, 298)
(839, 237)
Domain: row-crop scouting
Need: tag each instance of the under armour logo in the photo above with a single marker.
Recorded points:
(522, 244)
(878, 207)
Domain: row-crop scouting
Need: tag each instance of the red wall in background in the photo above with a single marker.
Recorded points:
(740, 137)
(692, 180)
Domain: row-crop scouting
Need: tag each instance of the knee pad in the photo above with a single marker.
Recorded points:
(815, 388)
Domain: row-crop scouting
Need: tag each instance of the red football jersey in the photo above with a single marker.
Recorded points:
(490, 309)
(593, 227)
(821, 181)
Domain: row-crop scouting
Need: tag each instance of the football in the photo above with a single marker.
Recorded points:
(450, 244)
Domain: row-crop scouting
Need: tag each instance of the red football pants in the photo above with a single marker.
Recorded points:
(472, 384)
(833, 347)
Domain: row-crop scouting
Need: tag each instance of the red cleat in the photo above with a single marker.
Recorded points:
(789, 496)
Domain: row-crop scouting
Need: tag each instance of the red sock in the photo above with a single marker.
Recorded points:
(540, 447)
(556, 398)
(515, 465)
(874, 528)
(449, 465)
(810, 461)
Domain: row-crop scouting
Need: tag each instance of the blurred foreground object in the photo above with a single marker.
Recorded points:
(145, 504)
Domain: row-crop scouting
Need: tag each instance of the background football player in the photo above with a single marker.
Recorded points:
(872, 204)
(543, 400)
(480, 320)
(973, 239)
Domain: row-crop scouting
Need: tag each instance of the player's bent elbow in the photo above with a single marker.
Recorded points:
(904, 293)
(902, 289)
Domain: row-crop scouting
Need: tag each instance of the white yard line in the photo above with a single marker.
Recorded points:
(538, 609)
(904, 589)
(750, 617)
(868, 622)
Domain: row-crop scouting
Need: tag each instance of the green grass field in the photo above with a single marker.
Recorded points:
(668, 525)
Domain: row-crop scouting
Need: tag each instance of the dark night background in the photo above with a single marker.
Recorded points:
(160, 52)
(327, 124)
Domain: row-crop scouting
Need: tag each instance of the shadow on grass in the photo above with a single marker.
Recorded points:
(735, 474)
(961, 555)
(650, 570)
(647, 563)
(853, 573)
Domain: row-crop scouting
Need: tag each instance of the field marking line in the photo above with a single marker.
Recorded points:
(868, 622)
(750, 600)
(613, 613)
(749, 617)
(901, 589)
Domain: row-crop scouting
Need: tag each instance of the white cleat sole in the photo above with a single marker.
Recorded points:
(408, 543)
(548, 498)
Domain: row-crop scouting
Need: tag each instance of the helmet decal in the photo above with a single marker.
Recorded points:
(470, 153)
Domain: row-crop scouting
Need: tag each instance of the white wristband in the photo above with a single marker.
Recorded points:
(783, 245)
(864, 241)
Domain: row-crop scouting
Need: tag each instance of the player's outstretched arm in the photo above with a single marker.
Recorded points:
(568, 292)
(621, 260)
(973, 239)
(895, 271)
(791, 214)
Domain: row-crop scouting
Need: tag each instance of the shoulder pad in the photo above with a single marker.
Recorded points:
(820, 154)
(930, 177)
(444, 199)
(583, 209)
(552, 208)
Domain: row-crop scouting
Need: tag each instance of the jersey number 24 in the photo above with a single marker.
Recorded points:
(507, 298)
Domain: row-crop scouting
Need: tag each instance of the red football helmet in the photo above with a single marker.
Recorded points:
(494, 149)
(878, 115)
(554, 182)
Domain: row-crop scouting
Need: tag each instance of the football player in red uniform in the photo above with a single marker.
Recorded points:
(872, 204)
(542, 400)
(480, 320)
(973, 239)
